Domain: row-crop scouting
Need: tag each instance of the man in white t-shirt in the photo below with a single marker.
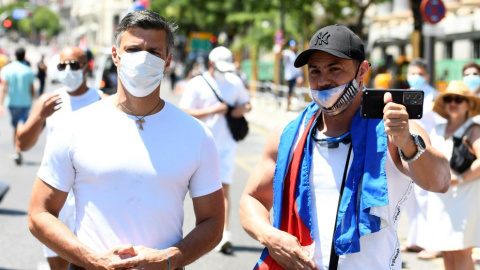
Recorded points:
(337, 182)
(130, 188)
(51, 109)
(200, 101)
(292, 74)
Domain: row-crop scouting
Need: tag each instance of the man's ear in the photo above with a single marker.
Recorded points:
(114, 56)
(168, 62)
(363, 70)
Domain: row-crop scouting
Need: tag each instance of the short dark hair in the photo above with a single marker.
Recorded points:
(20, 54)
(147, 20)
(471, 65)
(419, 62)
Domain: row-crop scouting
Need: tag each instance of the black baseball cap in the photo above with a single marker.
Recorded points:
(336, 40)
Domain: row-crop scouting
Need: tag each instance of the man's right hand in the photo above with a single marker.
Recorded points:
(287, 251)
(48, 104)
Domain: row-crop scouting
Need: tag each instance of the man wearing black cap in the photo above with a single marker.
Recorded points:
(338, 182)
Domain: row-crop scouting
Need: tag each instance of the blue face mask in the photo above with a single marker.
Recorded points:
(416, 81)
(472, 81)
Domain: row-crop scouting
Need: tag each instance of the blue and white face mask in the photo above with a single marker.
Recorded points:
(416, 81)
(335, 100)
(472, 81)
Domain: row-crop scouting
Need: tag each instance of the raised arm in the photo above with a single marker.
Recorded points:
(431, 171)
(255, 206)
(28, 133)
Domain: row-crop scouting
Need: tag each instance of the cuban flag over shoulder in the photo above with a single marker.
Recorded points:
(365, 189)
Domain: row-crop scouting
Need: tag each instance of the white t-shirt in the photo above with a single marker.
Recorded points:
(380, 250)
(290, 71)
(130, 187)
(71, 104)
(198, 95)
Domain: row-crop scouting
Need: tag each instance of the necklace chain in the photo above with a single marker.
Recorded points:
(139, 120)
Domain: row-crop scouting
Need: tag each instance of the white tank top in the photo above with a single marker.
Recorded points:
(380, 250)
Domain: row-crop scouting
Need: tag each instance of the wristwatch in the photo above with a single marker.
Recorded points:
(420, 149)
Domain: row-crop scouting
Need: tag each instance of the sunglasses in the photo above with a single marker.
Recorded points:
(74, 65)
(456, 99)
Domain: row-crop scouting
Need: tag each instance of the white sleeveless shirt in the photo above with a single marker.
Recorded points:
(380, 250)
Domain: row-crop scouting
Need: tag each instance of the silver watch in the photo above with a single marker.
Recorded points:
(420, 149)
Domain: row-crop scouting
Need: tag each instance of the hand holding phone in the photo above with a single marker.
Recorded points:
(373, 102)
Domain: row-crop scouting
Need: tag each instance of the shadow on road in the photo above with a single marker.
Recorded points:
(11, 213)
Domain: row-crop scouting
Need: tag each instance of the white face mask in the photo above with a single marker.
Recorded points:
(218, 75)
(141, 72)
(335, 100)
(71, 79)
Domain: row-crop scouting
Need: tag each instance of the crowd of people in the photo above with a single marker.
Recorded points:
(335, 181)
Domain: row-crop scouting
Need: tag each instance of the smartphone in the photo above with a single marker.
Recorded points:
(372, 102)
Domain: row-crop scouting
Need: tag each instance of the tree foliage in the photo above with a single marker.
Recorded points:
(254, 23)
(42, 19)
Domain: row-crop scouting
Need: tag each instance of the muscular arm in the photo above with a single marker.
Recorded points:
(28, 133)
(210, 216)
(255, 206)
(431, 171)
(45, 205)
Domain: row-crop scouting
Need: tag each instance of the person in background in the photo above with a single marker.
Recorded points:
(50, 110)
(200, 101)
(292, 74)
(130, 188)
(471, 77)
(240, 73)
(336, 181)
(41, 74)
(16, 93)
(453, 218)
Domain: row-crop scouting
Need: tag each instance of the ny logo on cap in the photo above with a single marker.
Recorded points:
(322, 38)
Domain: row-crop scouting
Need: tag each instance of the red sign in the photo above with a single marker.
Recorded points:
(432, 11)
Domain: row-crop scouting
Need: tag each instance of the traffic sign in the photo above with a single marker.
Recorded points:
(432, 11)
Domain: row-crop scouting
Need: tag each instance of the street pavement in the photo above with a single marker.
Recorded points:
(20, 250)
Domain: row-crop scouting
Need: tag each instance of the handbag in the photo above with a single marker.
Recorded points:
(238, 126)
(462, 153)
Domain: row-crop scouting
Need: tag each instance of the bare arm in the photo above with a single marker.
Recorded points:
(210, 216)
(431, 171)
(221, 108)
(255, 206)
(3, 93)
(45, 205)
(28, 133)
(240, 110)
(473, 172)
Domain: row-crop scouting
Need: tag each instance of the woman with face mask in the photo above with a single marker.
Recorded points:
(471, 77)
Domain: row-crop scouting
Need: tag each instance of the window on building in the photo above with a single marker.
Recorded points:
(448, 49)
(476, 48)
